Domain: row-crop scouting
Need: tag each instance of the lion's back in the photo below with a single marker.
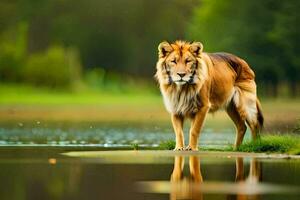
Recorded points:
(241, 67)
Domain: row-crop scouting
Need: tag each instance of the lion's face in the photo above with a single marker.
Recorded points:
(178, 62)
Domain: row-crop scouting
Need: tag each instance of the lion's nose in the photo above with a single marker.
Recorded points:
(181, 74)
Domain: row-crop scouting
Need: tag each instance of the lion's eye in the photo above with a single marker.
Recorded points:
(187, 61)
(173, 61)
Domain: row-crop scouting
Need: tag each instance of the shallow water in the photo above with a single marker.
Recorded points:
(103, 135)
(56, 173)
(41, 160)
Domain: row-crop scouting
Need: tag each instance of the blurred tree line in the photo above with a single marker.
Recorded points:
(265, 33)
(39, 39)
(57, 43)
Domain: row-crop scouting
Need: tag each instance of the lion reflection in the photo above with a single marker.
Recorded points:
(193, 188)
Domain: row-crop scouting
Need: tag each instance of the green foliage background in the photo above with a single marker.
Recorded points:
(262, 32)
(106, 44)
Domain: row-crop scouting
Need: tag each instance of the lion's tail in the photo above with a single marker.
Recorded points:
(248, 105)
(260, 116)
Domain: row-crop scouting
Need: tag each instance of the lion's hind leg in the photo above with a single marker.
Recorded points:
(239, 122)
(254, 118)
(251, 111)
(247, 105)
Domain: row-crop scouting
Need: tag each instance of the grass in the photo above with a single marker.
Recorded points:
(289, 144)
(167, 145)
(28, 95)
(27, 103)
(170, 145)
(135, 146)
(273, 144)
(21, 103)
(14, 94)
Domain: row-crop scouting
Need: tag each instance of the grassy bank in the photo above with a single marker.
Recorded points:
(27, 95)
(289, 144)
(286, 144)
(12, 94)
(137, 103)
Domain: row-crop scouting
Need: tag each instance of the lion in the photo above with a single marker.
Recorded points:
(194, 83)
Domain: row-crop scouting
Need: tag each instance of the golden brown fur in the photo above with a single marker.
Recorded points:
(194, 83)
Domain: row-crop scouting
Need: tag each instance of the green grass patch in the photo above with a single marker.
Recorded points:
(135, 146)
(170, 145)
(167, 145)
(273, 144)
(28, 95)
(223, 149)
(289, 143)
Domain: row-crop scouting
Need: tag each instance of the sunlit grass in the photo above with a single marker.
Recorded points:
(273, 144)
(27, 95)
(135, 103)
(288, 143)
(11, 94)
(135, 146)
(167, 145)
(170, 145)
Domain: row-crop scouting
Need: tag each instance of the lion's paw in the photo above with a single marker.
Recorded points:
(179, 149)
(189, 148)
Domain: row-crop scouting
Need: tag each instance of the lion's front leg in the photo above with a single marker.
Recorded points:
(196, 126)
(177, 122)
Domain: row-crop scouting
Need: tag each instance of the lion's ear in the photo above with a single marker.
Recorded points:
(196, 48)
(164, 48)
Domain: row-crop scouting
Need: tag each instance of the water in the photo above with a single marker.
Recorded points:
(103, 135)
(59, 174)
(41, 160)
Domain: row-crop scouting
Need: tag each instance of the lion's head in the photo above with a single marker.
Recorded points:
(179, 63)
